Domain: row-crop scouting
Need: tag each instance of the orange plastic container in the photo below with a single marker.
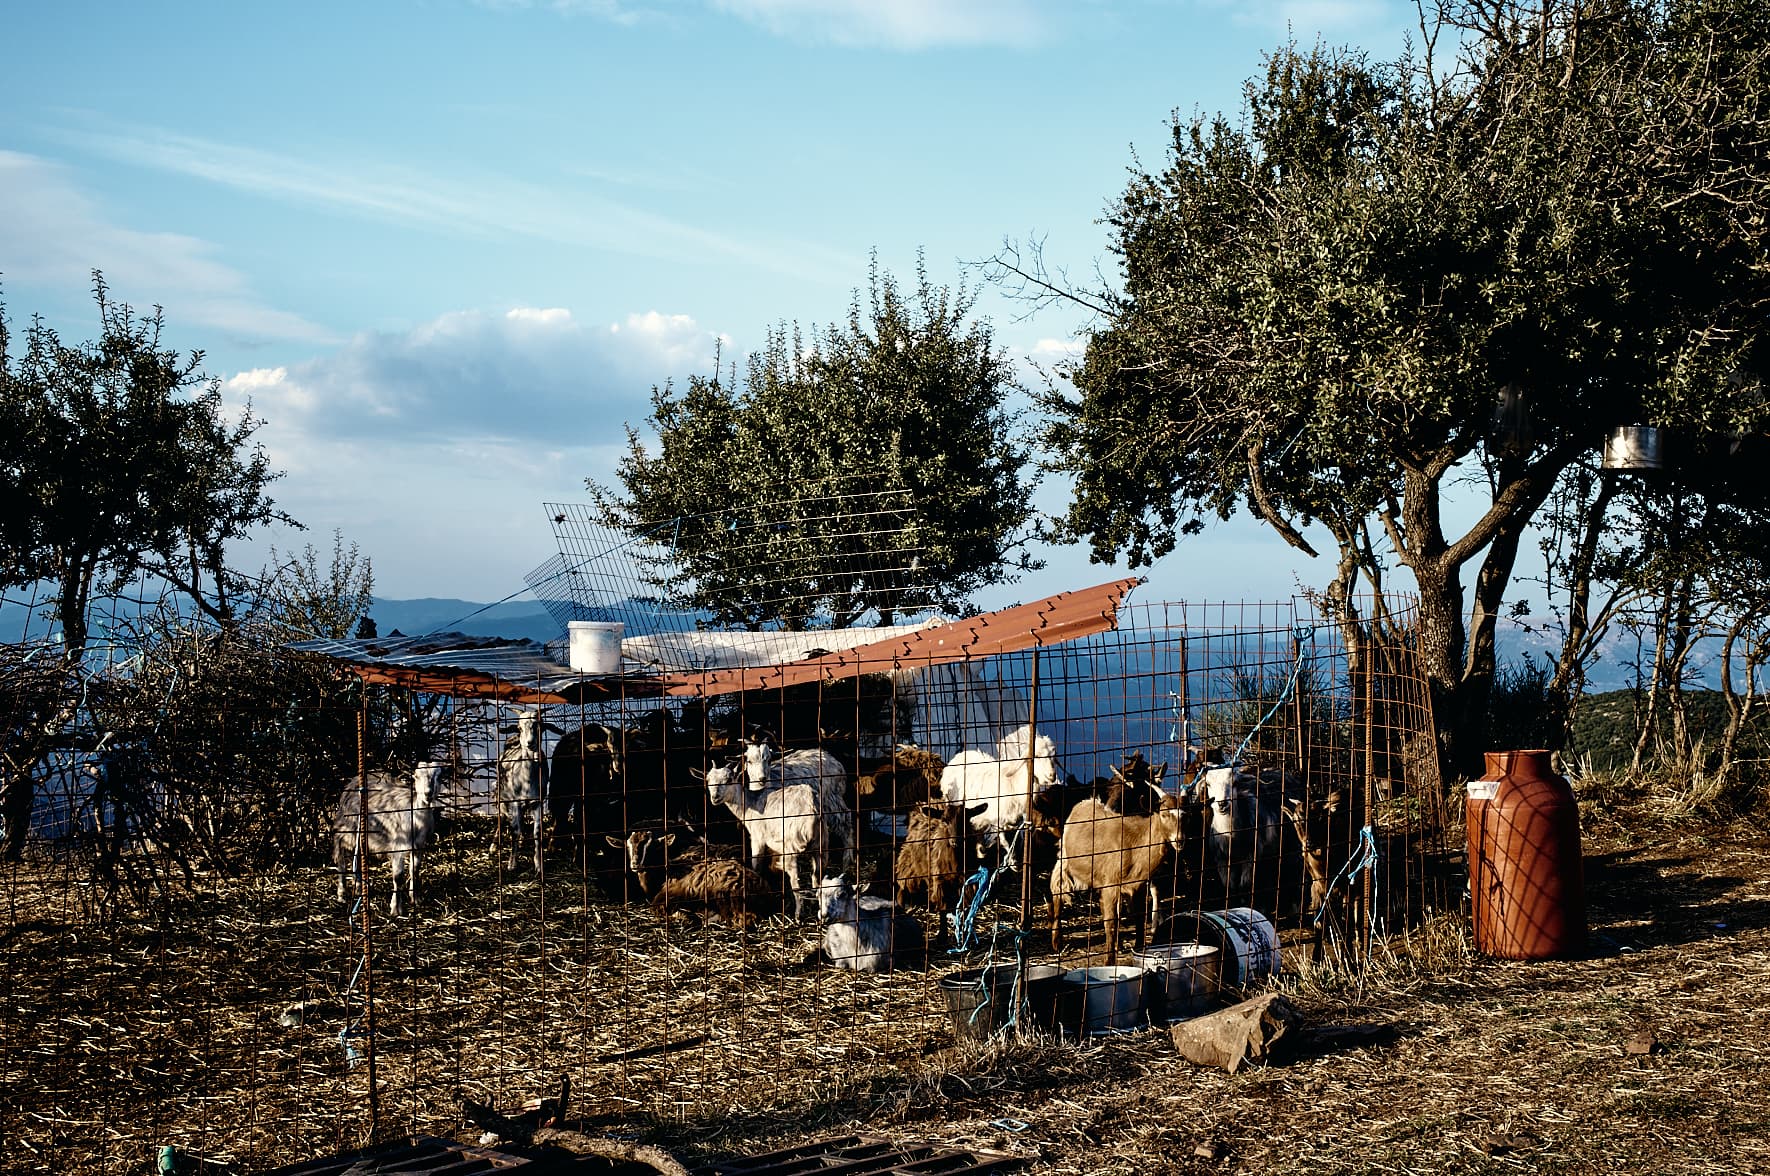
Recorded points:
(1526, 889)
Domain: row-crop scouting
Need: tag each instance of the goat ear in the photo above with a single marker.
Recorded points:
(1155, 774)
(614, 841)
(1118, 777)
(551, 727)
(668, 839)
(697, 773)
(976, 810)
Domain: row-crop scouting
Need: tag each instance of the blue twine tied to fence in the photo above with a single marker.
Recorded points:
(1365, 858)
(979, 884)
(1300, 634)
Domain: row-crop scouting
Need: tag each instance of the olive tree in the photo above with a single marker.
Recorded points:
(117, 459)
(1401, 300)
(852, 472)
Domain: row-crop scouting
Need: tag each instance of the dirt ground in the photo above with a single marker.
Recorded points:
(1651, 1055)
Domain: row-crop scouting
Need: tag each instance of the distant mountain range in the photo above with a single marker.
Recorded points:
(512, 618)
(530, 619)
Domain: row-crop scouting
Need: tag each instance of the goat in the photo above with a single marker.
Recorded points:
(765, 768)
(1135, 789)
(1114, 855)
(908, 778)
(522, 782)
(597, 790)
(998, 781)
(784, 822)
(724, 888)
(652, 857)
(584, 774)
(1245, 835)
(928, 869)
(391, 818)
(866, 934)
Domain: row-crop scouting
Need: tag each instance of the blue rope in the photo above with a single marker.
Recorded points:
(979, 884)
(1300, 633)
(351, 1057)
(1365, 857)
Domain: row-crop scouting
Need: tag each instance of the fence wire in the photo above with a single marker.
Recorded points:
(181, 972)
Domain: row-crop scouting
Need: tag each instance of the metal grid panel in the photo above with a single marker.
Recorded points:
(243, 1014)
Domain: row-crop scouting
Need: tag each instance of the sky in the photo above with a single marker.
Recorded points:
(446, 248)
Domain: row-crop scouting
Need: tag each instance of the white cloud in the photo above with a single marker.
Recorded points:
(1051, 350)
(54, 235)
(435, 448)
(896, 24)
(482, 206)
(525, 375)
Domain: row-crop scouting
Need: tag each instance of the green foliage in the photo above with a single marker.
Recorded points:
(306, 600)
(871, 466)
(116, 458)
(1390, 278)
(1605, 727)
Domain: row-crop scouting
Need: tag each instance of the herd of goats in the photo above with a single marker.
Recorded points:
(605, 797)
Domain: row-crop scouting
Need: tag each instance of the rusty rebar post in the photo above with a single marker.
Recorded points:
(1026, 832)
(362, 842)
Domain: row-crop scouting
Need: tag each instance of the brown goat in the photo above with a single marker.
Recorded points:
(930, 866)
(1114, 855)
(652, 855)
(908, 778)
(723, 889)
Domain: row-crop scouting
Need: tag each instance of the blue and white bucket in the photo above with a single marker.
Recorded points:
(1247, 938)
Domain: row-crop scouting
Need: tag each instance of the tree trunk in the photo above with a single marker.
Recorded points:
(1737, 708)
(1682, 633)
(1570, 669)
(1650, 720)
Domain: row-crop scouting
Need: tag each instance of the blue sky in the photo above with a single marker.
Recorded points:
(446, 248)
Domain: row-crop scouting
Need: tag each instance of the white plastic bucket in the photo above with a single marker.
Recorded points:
(595, 646)
(1111, 998)
(1183, 978)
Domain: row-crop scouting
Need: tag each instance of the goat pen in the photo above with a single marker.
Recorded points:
(164, 994)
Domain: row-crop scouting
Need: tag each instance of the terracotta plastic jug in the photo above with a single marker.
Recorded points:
(1527, 893)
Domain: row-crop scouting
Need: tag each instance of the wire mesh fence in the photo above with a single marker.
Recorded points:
(169, 987)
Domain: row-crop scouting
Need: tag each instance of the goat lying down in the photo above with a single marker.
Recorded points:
(392, 818)
(866, 934)
(722, 889)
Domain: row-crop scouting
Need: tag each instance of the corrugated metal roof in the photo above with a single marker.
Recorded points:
(515, 669)
(519, 670)
(1050, 621)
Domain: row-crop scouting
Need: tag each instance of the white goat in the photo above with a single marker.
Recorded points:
(867, 934)
(395, 823)
(784, 821)
(766, 768)
(522, 782)
(997, 780)
(1246, 836)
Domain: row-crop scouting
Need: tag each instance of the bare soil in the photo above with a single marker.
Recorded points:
(222, 1028)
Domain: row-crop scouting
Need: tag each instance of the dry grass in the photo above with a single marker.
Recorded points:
(117, 1037)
